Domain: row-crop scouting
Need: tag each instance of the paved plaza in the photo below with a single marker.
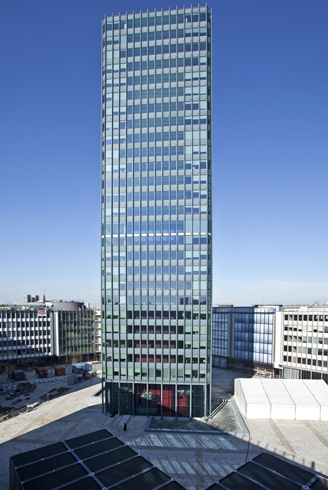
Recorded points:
(194, 459)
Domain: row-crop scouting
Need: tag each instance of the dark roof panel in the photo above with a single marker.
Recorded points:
(108, 459)
(120, 472)
(98, 448)
(320, 484)
(267, 477)
(284, 468)
(37, 454)
(146, 481)
(41, 467)
(234, 481)
(57, 478)
(88, 438)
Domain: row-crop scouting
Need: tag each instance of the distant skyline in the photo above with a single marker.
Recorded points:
(270, 152)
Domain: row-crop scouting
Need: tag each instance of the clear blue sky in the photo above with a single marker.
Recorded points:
(270, 148)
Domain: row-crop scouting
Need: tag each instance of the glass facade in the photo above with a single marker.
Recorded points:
(76, 331)
(220, 334)
(244, 334)
(253, 336)
(156, 211)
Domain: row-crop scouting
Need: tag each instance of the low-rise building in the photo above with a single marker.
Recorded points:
(244, 337)
(44, 333)
(278, 340)
(305, 342)
(26, 334)
(74, 331)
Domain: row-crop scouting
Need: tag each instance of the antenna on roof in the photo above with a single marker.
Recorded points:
(44, 295)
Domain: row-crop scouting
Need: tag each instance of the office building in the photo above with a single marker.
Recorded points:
(284, 341)
(26, 335)
(244, 337)
(156, 211)
(74, 331)
(44, 333)
(304, 354)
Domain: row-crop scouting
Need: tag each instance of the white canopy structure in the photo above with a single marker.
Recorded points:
(288, 399)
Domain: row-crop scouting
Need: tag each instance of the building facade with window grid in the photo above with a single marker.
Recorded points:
(289, 341)
(49, 332)
(26, 334)
(305, 342)
(243, 337)
(156, 212)
(76, 335)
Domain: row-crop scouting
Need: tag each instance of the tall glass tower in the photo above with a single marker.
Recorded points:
(156, 232)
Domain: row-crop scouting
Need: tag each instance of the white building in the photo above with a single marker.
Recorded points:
(26, 333)
(304, 347)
